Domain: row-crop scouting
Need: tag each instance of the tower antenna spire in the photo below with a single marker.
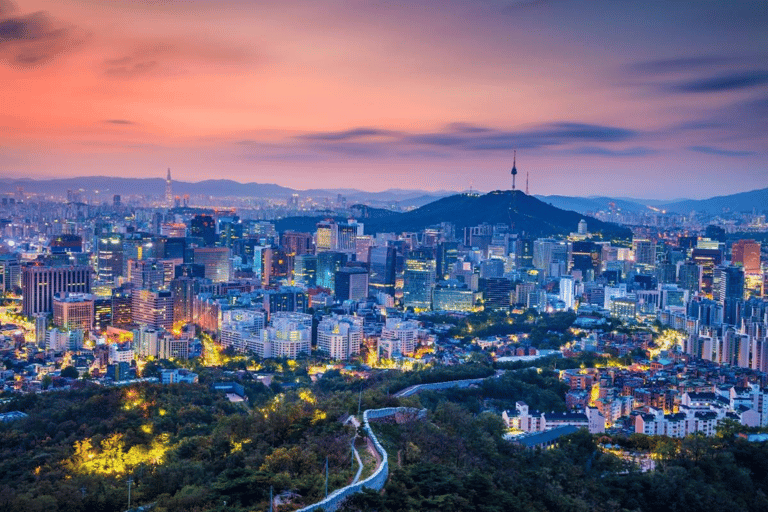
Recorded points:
(514, 168)
(526, 182)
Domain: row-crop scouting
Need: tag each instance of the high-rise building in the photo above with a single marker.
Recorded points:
(296, 243)
(524, 253)
(183, 290)
(10, 273)
(689, 276)
(567, 291)
(109, 257)
(493, 267)
(289, 335)
(73, 311)
(497, 292)
(286, 299)
(102, 312)
(728, 283)
(339, 338)
(325, 236)
(40, 283)
(152, 308)
(644, 251)
(121, 306)
(305, 270)
(585, 256)
(168, 189)
(708, 259)
(230, 230)
(203, 226)
(351, 283)
(218, 266)
(418, 282)
(447, 254)
(382, 261)
(328, 263)
(746, 253)
(406, 332)
(152, 274)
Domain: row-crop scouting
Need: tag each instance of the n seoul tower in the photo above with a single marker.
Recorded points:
(514, 169)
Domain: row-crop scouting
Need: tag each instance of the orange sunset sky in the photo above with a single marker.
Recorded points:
(643, 99)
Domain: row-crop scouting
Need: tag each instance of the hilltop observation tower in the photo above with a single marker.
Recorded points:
(514, 169)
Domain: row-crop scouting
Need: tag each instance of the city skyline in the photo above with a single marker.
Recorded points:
(615, 98)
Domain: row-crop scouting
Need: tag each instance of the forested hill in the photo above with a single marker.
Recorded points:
(526, 214)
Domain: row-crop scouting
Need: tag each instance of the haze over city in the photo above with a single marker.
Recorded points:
(658, 100)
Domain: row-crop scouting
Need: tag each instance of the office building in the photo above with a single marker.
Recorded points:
(382, 262)
(10, 273)
(109, 257)
(351, 283)
(305, 270)
(746, 253)
(328, 263)
(497, 292)
(567, 291)
(152, 274)
(74, 311)
(217, 263)
(453, 295)
(203, 227)
(40, 283)
(296, 243)
(152, 308)
(419, 282)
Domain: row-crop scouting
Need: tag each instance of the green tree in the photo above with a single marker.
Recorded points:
(70, 372)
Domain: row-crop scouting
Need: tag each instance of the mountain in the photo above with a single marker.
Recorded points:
(528, 214)
(741, 202)
(592, 204)
(108, 185)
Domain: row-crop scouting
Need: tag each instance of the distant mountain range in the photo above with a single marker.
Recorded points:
(741, 202)
(593, 204)
(402, 198)
(525, 212)
(109, 186)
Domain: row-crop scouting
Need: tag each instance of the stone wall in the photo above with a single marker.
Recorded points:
(379, 477)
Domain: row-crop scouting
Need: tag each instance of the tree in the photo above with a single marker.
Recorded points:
(46, 382)
(70, 372)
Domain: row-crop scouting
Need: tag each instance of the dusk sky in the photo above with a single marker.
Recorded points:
(659, 99)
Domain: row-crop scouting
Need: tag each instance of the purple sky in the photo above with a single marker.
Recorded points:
(645, 99)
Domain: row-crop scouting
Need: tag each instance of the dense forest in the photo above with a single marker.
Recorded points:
(187, 448)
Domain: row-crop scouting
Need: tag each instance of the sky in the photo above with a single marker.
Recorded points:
(647, 99)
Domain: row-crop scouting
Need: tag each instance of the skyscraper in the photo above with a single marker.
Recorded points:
(168, 189)
(566, 291)
(40, 283)
(328, 263)
(109, 257)
(746, 253)
(203, 226)
(218, 267)
(305, 270)
(152, 308)
(728, 283)
(418, 282)
(351, 283)
(645, 251)
(382, 262)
